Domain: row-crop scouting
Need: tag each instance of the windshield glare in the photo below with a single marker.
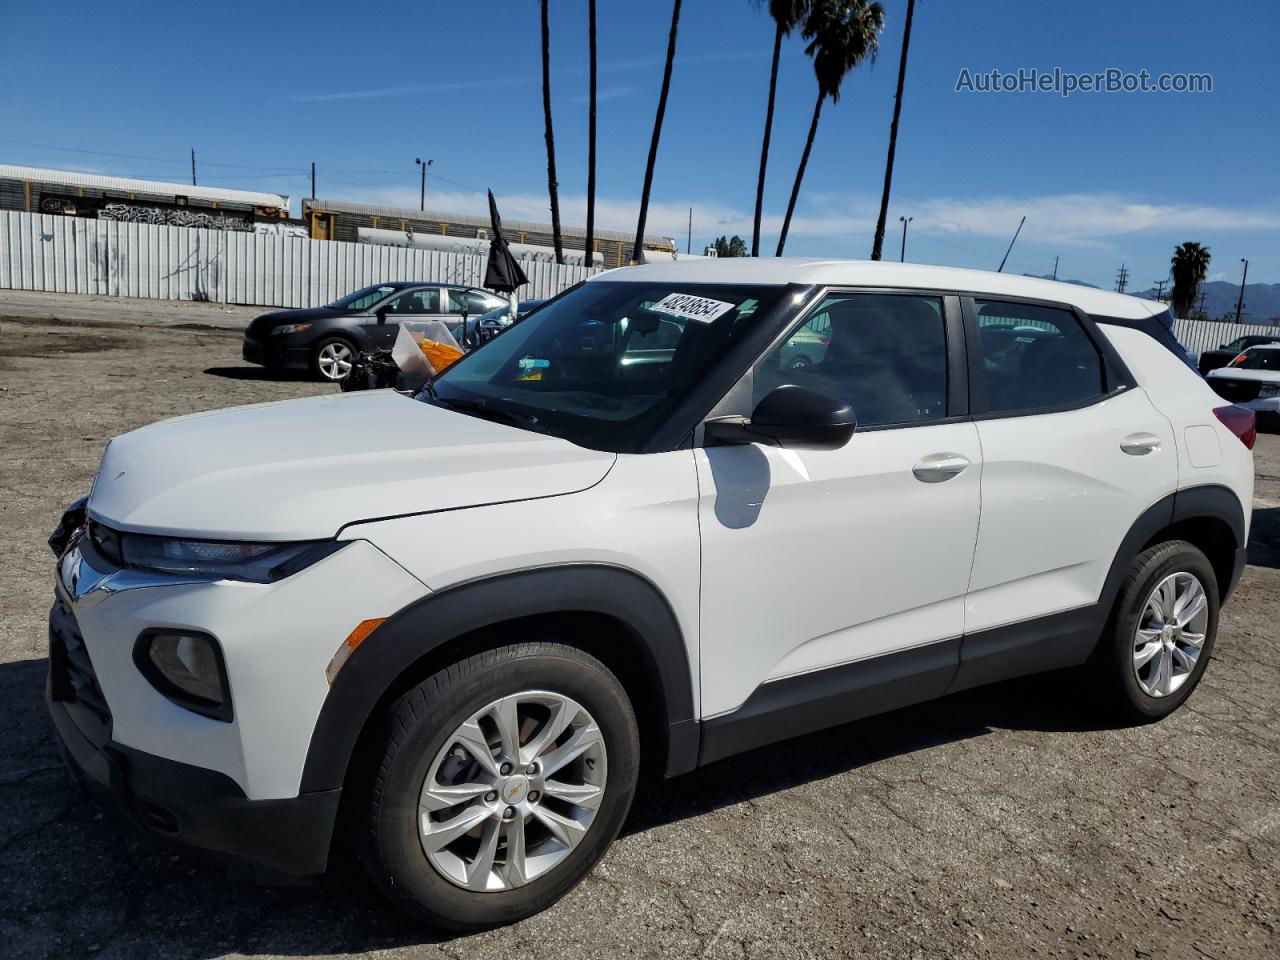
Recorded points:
(605, 364)
(363, 298)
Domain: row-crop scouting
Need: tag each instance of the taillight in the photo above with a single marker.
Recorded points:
(1241, 421)
(1238, 361)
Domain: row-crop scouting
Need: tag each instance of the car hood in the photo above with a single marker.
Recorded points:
(303, 469)
(263, 323)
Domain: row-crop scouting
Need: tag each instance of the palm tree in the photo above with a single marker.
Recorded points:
(877, 245)
(552, 187)
(590, 241)
(841, 34)
(637, 252)
(1189, 266)
(787, 15)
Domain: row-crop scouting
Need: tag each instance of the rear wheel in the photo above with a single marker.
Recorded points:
(504, 779)
(332, 358)
(1161, 634)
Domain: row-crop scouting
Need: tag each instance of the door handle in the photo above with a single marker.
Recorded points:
(940, 466)
(1140, 444)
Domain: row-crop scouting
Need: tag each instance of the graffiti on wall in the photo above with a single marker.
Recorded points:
(174, 217)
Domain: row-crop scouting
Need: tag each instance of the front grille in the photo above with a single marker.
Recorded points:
(72, 681)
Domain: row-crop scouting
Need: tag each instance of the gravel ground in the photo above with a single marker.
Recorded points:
(1002, 822)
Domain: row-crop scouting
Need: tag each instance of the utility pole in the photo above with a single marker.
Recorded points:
(1243, 278)
(193, 166)
(1160, 289)
(688, 244)
(1122, 279)
(422, 196)
(1055, 268)
(1000, 269)
(904, 221)
(313, 179)
(1200, 305)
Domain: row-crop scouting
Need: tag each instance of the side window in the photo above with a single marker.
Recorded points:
(1036, 357)
(478, 303)
(884, 354)
(416, 302)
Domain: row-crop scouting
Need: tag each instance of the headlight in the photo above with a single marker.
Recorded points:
(289, 328)
(1269, 390)
(212, 559)
(255, 562)
(187, 668)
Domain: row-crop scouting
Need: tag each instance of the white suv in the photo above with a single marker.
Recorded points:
(633, 530)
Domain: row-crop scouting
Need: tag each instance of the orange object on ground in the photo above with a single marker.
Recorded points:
(440, 355)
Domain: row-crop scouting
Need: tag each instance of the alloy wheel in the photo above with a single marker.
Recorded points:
(512, 791)
(334, 361)
(1170, 634)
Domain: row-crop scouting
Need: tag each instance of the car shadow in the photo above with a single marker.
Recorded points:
(259, 373)
(130, 891)
(1264, 537)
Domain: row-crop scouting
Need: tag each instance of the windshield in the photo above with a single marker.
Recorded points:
(363, 298)
(497, 313)
(1266, 358)
(605, 364)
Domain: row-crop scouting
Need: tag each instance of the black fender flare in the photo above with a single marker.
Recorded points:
(1213, 501)
(428, 623)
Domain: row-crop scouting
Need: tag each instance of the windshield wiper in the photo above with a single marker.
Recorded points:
(481, 409)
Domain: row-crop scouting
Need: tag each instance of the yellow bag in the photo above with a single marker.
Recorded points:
(440, 355)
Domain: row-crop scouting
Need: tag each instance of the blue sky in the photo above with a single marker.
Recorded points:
(260, 90)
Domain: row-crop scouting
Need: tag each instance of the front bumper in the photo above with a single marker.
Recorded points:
(276, 353)
(198, 809)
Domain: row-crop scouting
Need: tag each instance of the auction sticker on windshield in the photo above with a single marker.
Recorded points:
(687, 307)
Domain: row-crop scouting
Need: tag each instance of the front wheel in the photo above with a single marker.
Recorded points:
(1161, 633)
(503, 780)
(333, 358)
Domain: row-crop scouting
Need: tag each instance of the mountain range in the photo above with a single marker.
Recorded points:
(1261, 300)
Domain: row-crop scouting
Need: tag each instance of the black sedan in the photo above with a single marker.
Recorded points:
(1213, 359)
(326, 339)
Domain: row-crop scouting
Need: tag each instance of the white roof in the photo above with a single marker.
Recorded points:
(129, 185)
(870, 273)
(1263, 346)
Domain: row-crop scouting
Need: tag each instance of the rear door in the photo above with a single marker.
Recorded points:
(1073, 453)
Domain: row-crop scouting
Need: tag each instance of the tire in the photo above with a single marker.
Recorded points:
(421, 745)
(1137, 693)
(326, 358)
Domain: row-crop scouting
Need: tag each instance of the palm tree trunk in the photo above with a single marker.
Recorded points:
(804, 162)
(552, 187)
(764, 146)
(877, 244)
(589, 258)
(637, 252)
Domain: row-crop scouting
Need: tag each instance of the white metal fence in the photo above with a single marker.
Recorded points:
(1201, 335)
(58, 254)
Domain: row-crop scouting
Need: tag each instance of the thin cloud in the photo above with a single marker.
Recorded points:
(483, 83)
(608, 93)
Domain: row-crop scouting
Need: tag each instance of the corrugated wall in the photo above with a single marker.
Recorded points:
(1201, 335)
(58, 254)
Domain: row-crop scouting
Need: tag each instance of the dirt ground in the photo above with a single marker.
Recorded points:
(1003, 822)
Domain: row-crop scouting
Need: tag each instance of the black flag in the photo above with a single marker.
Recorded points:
(502, 273)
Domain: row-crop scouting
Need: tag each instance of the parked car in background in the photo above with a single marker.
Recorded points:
(325, 340)
(1252, 380)
(632, 532)
(1213, 359)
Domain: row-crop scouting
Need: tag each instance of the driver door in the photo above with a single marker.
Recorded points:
(838, 568)
(421, 303)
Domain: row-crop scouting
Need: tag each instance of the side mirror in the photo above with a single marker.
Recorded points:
(790, 416)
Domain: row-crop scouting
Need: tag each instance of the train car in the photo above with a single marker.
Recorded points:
(67, 193)
(476, 246)
(338, 220)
